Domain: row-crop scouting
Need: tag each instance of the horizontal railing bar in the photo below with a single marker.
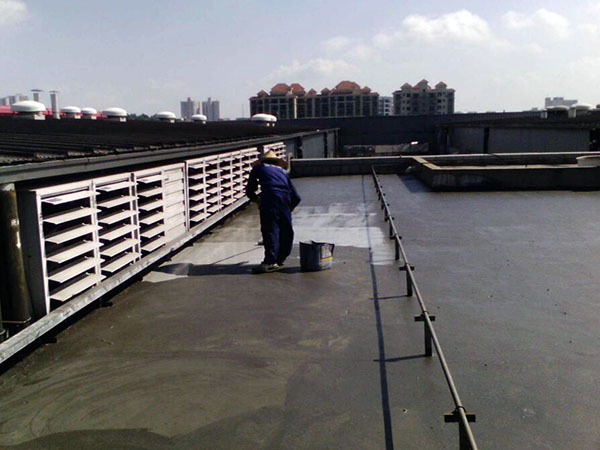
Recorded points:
(460, 409)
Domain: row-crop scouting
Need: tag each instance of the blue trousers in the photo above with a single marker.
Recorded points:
(277, 233)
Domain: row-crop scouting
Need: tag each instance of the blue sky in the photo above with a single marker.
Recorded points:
(146, 56)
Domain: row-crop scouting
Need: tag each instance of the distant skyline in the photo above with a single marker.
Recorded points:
(147, 56)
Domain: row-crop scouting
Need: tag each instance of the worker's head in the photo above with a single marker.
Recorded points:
(270, 157)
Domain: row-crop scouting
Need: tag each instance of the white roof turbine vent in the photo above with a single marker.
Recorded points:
(557, 111)
(166, 116)
(580, 109)
(266, 120)
(71, 112)
(200, 118)
(115, 114)
(89, 113)
(29, 109)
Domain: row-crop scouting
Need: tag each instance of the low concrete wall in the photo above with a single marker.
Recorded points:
(348, 166)
(508, 172)
(536, 178)
(507, 159)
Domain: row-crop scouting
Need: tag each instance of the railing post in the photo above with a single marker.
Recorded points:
(396, 248)
(391, 232)
(428, 341)
(409, 285)
(463, 437)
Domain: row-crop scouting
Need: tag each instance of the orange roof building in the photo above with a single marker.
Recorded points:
(422, 99)
(347, 99)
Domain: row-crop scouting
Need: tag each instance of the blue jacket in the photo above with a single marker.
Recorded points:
(277, 190)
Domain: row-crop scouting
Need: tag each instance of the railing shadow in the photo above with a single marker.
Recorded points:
(385, 399)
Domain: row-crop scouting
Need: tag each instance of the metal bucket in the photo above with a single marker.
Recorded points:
(316, 256)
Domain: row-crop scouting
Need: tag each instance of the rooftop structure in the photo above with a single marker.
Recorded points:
(89, 113)
(71, 112)
(199, 118)
(115, 114)
(29, 109)
(166, 116)
(560, 129)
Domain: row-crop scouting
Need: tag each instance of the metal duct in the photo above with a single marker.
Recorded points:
(17, 305)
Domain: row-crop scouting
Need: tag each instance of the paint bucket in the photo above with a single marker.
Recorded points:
(316, 256)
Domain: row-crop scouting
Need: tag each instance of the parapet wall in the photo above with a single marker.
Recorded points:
(348, 166)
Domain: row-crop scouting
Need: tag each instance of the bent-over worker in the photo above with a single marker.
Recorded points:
(277, 200)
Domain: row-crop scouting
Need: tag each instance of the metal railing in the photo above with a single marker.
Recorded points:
(460, 414)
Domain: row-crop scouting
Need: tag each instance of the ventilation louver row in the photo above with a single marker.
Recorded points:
(76, 235)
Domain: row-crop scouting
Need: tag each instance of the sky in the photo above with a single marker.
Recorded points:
(146, 56)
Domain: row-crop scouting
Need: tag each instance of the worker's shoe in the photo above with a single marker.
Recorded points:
(266, 268)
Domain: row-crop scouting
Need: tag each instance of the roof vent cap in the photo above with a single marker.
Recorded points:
(582, 106)
(165, 115)
(28, 106)
(114, 112)
(70, 110)
(264, 119)
(199, 118)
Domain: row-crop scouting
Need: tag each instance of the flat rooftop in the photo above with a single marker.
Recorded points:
(203, 354)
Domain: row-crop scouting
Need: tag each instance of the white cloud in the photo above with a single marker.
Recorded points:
(12, 12)
(336, 44)
(589, 28)
(461, 26)
(319, 67)
(361, 52)
(550, 21)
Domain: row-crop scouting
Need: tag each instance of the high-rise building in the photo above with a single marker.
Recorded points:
(211, 109)
(385, 106)
(347, 99)
(558, 101)
(12, 99)
(189, 107)
(421, 99)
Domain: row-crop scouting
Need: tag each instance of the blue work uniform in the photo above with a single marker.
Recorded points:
(278, 198)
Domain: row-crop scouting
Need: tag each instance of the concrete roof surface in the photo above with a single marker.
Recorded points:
(203, 354)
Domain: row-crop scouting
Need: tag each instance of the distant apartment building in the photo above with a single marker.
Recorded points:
(558, 101)
(284, 101)
(385, 106)
(189, 107)
(421, 99)
(211, 109)
(11, 99)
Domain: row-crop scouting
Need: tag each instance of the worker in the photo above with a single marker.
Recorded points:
(277, 200)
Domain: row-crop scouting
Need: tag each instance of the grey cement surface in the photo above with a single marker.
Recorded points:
(202, 354)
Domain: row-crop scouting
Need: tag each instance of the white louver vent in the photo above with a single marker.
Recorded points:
(78, 234)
